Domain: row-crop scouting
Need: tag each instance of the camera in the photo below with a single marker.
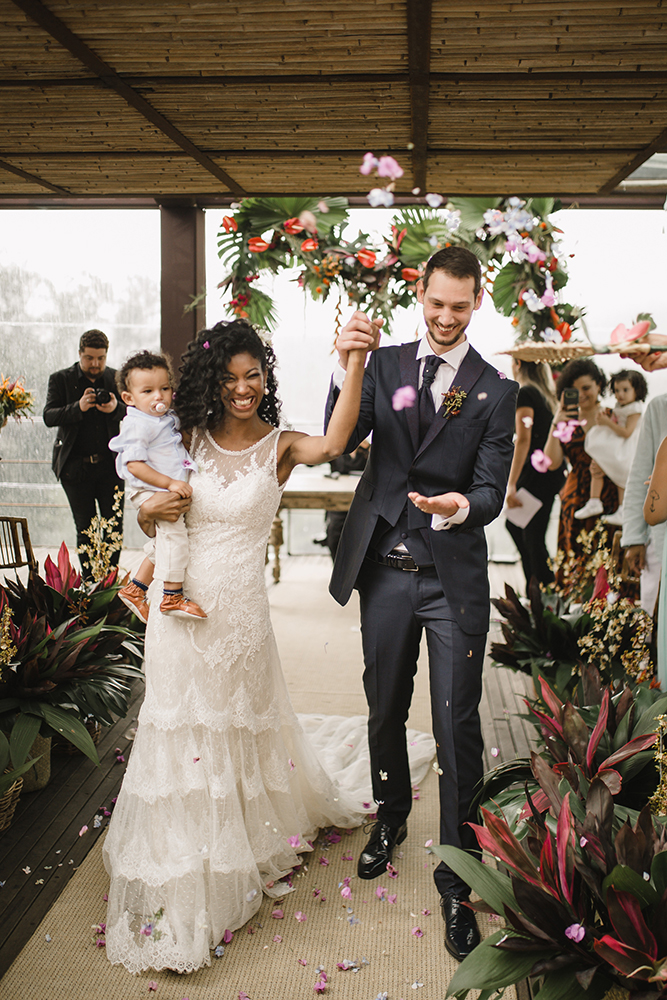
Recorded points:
(102, 396)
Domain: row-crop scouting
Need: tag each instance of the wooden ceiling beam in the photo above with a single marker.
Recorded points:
(419, 64)
(659, 145)
(321, 154)
(309, 79)
(58, 30)
(32, 178)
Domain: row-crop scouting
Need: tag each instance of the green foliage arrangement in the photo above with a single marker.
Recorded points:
(513, 238)
(585, 904)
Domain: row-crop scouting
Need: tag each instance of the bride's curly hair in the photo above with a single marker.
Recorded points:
(197, 401)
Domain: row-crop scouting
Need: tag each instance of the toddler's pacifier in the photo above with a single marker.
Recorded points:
(159, 408)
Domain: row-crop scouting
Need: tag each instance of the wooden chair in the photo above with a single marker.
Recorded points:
(15, 545)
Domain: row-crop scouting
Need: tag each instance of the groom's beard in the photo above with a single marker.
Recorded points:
(446, 337)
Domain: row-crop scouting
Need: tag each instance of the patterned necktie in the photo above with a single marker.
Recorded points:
(426, 405)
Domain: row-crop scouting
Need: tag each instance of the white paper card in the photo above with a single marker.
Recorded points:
(523, 515)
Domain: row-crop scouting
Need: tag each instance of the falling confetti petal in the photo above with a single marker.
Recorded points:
(428, 843)
(495, 751)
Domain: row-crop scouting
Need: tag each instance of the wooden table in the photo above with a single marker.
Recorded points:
(309, 491)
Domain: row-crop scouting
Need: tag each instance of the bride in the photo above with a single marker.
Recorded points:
(223, 789)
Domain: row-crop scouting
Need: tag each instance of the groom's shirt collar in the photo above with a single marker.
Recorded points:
(452, 358)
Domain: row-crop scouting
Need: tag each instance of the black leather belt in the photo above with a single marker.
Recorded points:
(93, 459)
(395, 560)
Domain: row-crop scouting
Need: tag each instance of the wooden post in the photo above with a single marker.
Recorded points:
(183, 275)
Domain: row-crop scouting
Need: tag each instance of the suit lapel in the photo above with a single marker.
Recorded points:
(470, 370)
(410, 376)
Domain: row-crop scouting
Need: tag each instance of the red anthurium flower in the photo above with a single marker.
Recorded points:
(366, 257)
(410, 274)
(293, 226)
(257, 245)
(229, 224)
(309, 244)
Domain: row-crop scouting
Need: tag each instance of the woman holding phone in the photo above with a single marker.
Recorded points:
(579, 387)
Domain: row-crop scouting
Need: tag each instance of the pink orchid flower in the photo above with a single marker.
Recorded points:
(417, 932)
(368, 165)
(575, 932)
(402, 399)
(388, 167)
(539, 461)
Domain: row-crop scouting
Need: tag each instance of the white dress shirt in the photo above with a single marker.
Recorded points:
(153, 440)
(443, 381)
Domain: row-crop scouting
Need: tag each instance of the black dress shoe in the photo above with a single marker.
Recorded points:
(461, 933)
(376, 855)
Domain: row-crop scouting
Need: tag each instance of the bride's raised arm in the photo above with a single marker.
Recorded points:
(297, 448)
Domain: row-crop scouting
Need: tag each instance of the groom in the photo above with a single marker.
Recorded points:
(413, 545)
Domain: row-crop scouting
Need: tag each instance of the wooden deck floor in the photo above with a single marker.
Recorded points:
(44, 845)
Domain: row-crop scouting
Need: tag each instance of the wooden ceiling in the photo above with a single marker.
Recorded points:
(133, 99)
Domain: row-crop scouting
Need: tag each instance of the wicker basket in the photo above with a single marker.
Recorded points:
(559, 354)
(9, 802)
(38, 776)
(61, 745)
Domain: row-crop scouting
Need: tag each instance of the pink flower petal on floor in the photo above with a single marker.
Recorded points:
(84, 829)
(277, 938)
(227, 936)
(428, 843)
(346, 892)
(391, 898)
(403, 398)
(324, 861)
(302, 961)
(347, 857)
(301, 917)
(391, 871)
(291, 764)
(380, 892)
(152, 986)
(417, 932)
(426, 913)
(277, 914)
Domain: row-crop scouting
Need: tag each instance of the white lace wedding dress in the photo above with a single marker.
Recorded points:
(223, 789)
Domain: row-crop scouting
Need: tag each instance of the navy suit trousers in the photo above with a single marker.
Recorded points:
(396, 606)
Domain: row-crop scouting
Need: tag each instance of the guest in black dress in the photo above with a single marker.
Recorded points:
(536, 404)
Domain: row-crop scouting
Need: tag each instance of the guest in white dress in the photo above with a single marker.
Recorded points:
(613, 442)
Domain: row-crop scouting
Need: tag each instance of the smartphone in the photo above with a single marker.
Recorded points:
(571, 399)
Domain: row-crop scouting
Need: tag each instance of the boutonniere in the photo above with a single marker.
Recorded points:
(452, 400)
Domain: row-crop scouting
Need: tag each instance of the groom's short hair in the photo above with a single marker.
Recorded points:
(457, 262)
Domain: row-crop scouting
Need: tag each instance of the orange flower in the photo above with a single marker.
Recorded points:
(515, 321)
(366, 257)
(293, 226)
(229, 224)
(410, 274)
(309, 244)
(257, 245)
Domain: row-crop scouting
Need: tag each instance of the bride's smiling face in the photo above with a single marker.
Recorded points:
(242, 387)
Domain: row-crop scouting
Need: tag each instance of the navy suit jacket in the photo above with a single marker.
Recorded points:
(469, 453)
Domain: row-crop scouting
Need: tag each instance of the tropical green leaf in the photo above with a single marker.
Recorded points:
(626, 879)
(472, 210)
(489, 884)
(505, 293)
(562, 984)
(659, 873)
(488, 966)
(23, 735)
(70, 728)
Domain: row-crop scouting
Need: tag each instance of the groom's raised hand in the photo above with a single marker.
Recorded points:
(359, 334)
(446, 504)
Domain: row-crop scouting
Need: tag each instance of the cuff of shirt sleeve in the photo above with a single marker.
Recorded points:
(441, 523)
(338, 376)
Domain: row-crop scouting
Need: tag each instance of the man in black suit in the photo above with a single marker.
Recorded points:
(413, 545)
(82, 404)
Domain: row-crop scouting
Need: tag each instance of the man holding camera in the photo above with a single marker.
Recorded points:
(81, 403)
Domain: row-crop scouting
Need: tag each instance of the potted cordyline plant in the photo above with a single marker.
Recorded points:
(68, 663)
(585, 904)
